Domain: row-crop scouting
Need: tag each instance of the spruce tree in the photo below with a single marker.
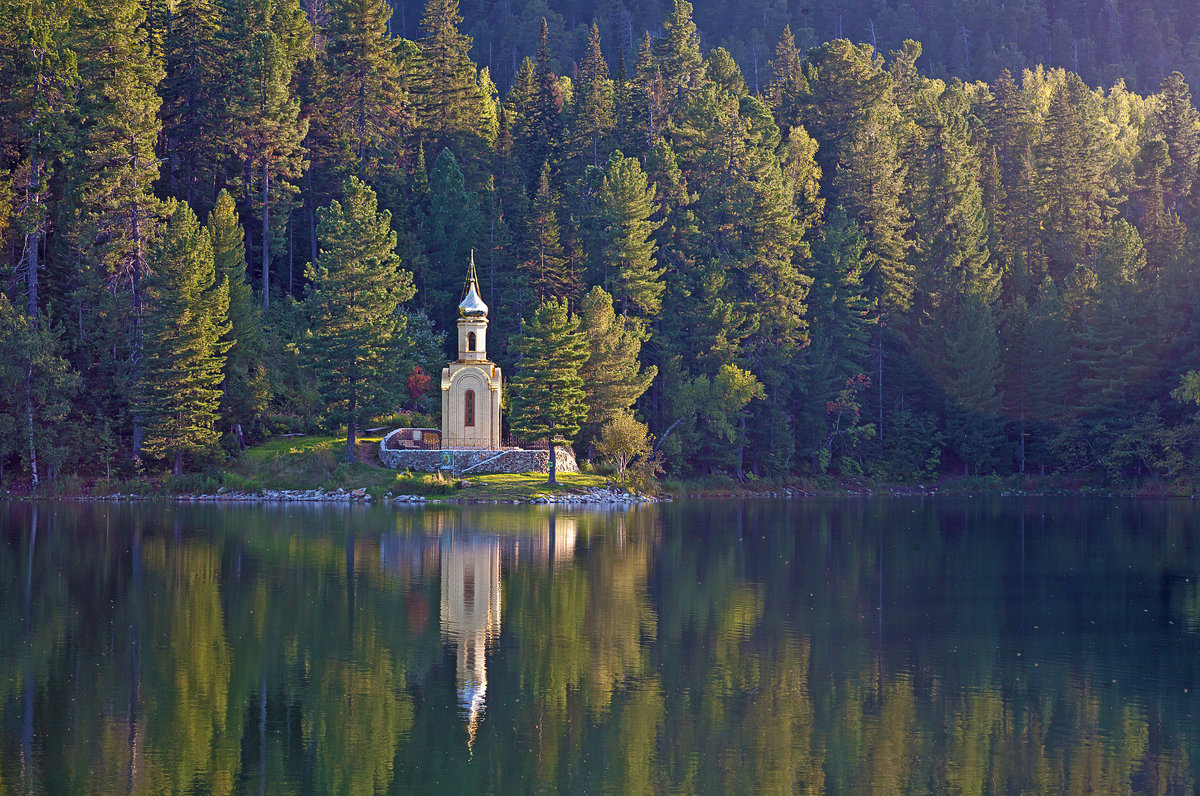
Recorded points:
(546, 396)
(357, 284)
(592, 105)
(547, 270)
(270, 134)
(246, 390)
(197, 76)
(613, 377)
(364, 107)
(625, 208)
(186, 328)
(448, 231)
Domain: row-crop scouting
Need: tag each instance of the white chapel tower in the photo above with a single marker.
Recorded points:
(471, 385)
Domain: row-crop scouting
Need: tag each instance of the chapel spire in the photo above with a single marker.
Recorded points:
(472, 305)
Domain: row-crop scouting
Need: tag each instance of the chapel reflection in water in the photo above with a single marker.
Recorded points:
(470, 561)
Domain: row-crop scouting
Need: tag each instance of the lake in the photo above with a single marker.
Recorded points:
(821, 646)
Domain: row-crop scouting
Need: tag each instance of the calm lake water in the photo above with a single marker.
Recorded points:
(842, 646)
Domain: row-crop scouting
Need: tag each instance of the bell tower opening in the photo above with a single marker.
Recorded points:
(471, 341)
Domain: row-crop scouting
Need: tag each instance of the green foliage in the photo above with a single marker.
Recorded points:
(246, 389)
(613, 378)
(186, 339)
(624, 209)
(37, 388)
(357, 286)
(1008, 262)
(546, 397)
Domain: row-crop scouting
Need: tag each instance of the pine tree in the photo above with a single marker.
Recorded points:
(451, 107)
(364, 107)
(197, 76)
(613, 377)
(271, 133)
(1074, 172)
(592, 105)
(37, 390)
(624, 209)
(951, 257)
(1178, 122)
(547, 270)
(186, 319)
(357, 284)
(785, 92)
(41, 96)
(110, 213)
(677, 53)
(547, 401)
(452, 227)
(246, 389)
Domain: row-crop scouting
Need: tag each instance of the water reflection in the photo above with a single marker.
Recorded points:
(842, 646)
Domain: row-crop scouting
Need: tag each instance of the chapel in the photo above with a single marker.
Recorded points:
(471, 385)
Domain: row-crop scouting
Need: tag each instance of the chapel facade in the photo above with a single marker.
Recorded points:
(471, 385)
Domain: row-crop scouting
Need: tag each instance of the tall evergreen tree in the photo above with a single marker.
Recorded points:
(972, 379)
(452, 227)
(111, 213)
(592, 105)
(357, 284)
(246, 389)
(37, 390)
(547, 400)
(197, 77)
(547, 270)
(364, 108)
(40, 98)
(451, 107)
(677, 53)
(271, 134)
(624, 209)
(186, 319)
(613, 378)
(1178, 122)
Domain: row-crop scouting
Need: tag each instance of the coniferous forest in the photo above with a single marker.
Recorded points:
(792, 238)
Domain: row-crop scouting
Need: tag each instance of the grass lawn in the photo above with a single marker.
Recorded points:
(313, 462)
(522, 486)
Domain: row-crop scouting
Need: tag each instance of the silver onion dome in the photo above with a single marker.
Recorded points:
(472, 305)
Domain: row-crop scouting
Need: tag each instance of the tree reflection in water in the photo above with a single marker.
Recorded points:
(827, 646)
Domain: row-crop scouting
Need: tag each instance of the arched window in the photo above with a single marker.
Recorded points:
(469, 408)
(470, 341)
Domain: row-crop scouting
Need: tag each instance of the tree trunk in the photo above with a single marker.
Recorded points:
(178, 463)
(266, 237)
(33, 464)
(350, 431)
(34, 240)
(552, 480)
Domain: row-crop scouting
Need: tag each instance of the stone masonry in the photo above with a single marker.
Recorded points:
(475, 461)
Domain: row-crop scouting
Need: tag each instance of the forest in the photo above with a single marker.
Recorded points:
(833, 253)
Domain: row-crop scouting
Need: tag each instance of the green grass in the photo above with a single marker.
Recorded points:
(523, 486)
(317, 463)
(306, 463)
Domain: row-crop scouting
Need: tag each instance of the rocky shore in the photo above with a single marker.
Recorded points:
(590, 497)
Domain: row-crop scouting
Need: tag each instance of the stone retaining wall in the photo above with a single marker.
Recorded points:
(478, 462)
